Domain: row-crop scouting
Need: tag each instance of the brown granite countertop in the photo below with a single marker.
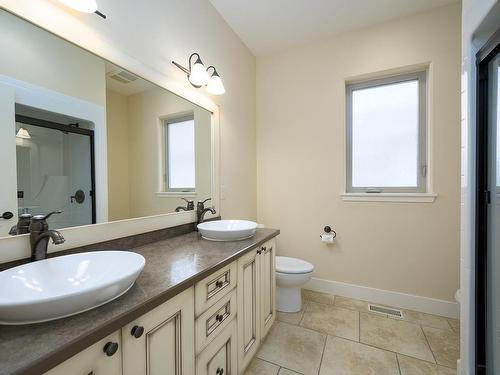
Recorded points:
(172, 266)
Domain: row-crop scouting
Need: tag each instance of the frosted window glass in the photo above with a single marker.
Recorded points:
(385, 135)
(181, 155)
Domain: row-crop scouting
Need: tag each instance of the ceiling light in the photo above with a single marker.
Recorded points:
(198, 76)
(23, 133)
(85, 6)
(215, 85)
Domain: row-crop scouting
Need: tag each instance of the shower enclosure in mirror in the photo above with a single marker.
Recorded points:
(81, 135)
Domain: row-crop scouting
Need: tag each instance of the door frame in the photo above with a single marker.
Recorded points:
(483, 198)
(69, 129)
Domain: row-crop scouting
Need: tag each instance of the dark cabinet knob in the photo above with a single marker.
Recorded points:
(7, 215)
(219, 318)
(219, 371)
(219, 284)
(137, 331)
(110, 348)
(259, 252)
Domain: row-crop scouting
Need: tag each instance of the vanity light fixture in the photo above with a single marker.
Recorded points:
(215, 85)
(198, 76)
(23, 133)
(85, 6)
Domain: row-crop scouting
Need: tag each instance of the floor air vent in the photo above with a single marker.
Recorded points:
(385, 311)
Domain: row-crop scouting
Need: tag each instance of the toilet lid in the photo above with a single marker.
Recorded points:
(293, 265)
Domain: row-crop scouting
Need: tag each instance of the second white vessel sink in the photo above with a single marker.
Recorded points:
(62, 286)
(227, 230)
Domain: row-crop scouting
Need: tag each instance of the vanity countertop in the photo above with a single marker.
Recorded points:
(172, 265)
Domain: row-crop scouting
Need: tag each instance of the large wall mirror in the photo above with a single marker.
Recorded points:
(81, 135)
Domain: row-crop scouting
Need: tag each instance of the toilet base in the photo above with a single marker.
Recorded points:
(288, 300)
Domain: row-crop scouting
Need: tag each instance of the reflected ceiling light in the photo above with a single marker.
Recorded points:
(23, 133)
(215, 85)
(85, 6)
(198, 76)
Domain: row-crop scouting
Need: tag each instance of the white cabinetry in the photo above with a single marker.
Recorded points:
(256, 300)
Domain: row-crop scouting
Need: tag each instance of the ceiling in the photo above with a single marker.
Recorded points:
(268, 26)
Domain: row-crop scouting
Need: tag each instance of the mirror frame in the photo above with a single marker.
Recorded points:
(54, 19)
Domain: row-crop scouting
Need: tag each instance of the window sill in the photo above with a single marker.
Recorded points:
(390, 197)
(175, 194)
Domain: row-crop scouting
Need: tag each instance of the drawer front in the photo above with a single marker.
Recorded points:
(214, 320)
(267, 286)
(220, 357)
(214, 287)
(93, 360)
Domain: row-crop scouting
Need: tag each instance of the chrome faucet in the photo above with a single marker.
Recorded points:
(40, 234)
(201, 210)
(189, 206)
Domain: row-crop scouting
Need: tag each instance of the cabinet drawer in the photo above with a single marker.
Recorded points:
(212, 288)
(214, 320)
(94, 360)
(221, 356)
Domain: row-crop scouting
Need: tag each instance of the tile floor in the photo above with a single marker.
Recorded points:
(338, 336)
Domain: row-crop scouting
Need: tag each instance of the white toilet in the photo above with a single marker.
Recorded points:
(291, 274)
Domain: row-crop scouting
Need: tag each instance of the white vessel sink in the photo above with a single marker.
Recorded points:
(62, 286)
(227, 230)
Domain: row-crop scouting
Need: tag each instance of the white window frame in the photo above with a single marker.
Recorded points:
(391, 193)
(166, 188)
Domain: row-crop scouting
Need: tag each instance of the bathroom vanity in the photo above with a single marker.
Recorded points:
(198, 307)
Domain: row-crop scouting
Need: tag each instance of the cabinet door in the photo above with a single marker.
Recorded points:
(161, 341)
(267, 286)
(94, 360)
(248, 307)
(221, 356)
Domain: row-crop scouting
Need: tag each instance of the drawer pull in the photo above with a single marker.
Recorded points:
(110, 348)
(219, 284)
(219, 371)
(219, 318)
(137, 331)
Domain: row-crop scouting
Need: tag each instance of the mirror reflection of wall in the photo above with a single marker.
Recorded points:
(60, 104)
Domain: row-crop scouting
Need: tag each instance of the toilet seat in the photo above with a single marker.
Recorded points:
(290, 265)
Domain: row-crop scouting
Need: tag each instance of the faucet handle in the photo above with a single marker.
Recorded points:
(45, 217)
(190, 204)
(206, 200)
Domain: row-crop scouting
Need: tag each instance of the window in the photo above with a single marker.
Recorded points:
(386, 135)
(179, 155)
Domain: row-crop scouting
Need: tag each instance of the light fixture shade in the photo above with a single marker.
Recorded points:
(86, 6)
(23, 133)
(198, 75)
(215, 85)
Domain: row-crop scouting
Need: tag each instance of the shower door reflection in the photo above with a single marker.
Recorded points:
(55, 171)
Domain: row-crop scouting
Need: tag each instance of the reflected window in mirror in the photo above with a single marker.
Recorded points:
(180, 173)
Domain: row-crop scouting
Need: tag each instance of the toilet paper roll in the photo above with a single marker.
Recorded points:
(328, 237)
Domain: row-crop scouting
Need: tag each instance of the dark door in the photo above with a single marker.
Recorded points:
(488, 210)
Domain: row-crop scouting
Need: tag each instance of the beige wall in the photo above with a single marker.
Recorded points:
(118, 156)
(145, 150)
(135, 152)
(405, 247)
(36, 57)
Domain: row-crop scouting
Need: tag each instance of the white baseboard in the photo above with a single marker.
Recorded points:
(386, 297)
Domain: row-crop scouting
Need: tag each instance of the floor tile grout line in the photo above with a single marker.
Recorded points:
(399, 366)
(428, 344)
(322, 354)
